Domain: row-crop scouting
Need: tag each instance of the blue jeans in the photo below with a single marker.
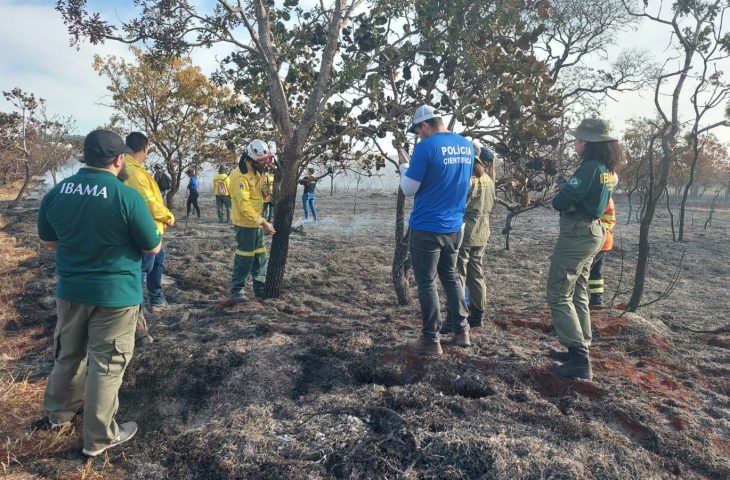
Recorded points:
(308, 198)
(152, 268)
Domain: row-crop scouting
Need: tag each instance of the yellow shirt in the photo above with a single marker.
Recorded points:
(142, 181)
(247, 198)
(222, 185)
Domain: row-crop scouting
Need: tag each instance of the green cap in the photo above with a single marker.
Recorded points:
(593, 130)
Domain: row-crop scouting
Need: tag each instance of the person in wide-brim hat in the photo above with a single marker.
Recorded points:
(593, 130)
(581, 201)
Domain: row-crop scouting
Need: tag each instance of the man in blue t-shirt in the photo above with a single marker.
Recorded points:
(438, 175)
(192, 193)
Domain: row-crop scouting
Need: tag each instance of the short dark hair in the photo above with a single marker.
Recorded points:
(137, 141)
(435, 122)
(98, 162)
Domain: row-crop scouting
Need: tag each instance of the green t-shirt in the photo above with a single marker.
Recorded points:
(587, 191)
(101, 226)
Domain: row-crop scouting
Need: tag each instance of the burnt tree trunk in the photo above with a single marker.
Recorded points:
(713, 204)
(400, 256)
(671, 216)
(688, 187)
(652, 199)
(507, 230)
(631, 206)
(283, 217)
(24, 187)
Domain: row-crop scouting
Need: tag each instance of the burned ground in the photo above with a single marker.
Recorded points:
(316, 384)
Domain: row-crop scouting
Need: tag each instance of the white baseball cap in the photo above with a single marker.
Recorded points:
(423, 113)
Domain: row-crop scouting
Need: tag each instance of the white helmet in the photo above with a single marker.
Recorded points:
(257, 149)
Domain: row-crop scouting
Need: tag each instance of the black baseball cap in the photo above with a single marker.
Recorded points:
(103, 144)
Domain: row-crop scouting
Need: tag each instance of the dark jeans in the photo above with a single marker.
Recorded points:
(268, 212)
(193, 202)
(152, 268)
(435, 254)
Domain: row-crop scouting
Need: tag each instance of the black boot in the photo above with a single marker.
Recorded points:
(578, 365)
(476, 316)
(596, 300)
(559, 355)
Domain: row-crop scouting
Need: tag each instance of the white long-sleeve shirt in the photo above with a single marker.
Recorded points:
(407, 184)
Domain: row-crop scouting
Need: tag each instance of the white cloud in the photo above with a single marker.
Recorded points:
(36, 57)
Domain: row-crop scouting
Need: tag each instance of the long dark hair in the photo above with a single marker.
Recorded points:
(242, 163)
(608, 153)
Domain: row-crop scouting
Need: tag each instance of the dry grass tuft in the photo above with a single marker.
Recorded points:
(22, 405)
(12, 278)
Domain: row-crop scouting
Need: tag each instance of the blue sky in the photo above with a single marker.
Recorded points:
(36, 56)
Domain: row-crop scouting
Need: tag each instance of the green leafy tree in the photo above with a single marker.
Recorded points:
(296, 59)
(173, 103)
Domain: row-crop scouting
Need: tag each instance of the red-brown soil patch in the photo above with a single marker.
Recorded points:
(609, 326)
(552, 385)
(647, 374)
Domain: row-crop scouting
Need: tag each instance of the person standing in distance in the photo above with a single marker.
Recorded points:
(438, 176)
(163, 181)
(100, 228)
(153, 265)
(479, 204)
(222, 191)
(596, 284)
(193, 192)
(309, 182)
(247, 199)
(581, 202)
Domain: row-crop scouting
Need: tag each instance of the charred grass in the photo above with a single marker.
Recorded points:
(317, 384)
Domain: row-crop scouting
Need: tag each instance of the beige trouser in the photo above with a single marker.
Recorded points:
(471, 274)
(567, 294)
(103, 339)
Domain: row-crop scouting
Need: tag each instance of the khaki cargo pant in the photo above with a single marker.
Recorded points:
(92, 347)
(471, 274)
(567, 295)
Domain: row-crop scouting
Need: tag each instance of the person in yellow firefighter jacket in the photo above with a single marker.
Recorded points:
(269, 196)
(595, 279)
(222, 191)
(247, 183)
(153, 265)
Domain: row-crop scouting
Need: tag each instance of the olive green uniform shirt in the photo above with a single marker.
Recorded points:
(479, 204)
(587, 191)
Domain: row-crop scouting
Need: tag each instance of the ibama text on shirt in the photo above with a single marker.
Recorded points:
(69, 188)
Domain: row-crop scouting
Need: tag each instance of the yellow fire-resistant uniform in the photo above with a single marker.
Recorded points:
(222, 191)
(142, 181)
(247, 202)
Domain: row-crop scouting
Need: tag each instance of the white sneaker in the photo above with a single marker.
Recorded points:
(59, 426)
(126, 432)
